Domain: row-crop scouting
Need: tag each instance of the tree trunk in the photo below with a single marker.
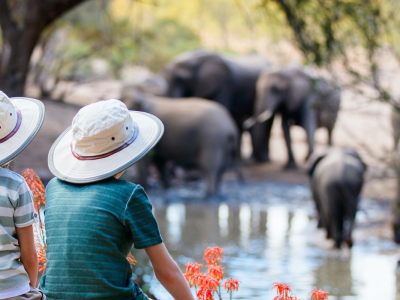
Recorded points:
(22, 22)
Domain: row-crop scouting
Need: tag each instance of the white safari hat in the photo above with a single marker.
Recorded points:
(20, 121)
(105, 138)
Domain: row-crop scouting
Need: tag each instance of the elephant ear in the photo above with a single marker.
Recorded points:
(211, 77)
(354, 153)
(301, 89)
(313, 162)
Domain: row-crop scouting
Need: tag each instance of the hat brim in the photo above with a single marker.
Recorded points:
(32, 112)
(64, 165)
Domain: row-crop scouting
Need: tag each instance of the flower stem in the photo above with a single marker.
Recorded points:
(219, 293)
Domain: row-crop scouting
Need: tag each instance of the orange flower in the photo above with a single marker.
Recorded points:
(282, 289)
(41, 252)
(39, 201)
(192, 270)
(213, 255)
(318, 295)
(131, 259)
(205, 281)
(36, 187)
(215, 271)
(231, 285)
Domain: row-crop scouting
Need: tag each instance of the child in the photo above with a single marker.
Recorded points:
(20, 120)
(92, 218)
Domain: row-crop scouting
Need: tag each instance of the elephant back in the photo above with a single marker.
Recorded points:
(345, 159)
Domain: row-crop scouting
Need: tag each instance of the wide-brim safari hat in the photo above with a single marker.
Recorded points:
(20, 121)
(105, 138)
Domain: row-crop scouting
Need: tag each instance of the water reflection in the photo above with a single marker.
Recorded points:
(278, 242)
(245, 225)
(334, 276)
(223, 215)
(175, 215)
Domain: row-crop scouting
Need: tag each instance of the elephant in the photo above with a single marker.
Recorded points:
(300, 99)
(230, 81)
(336, 179)
(199, 134)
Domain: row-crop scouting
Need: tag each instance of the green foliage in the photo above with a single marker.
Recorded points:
(92, 32)
(162, 41)
(325, 29)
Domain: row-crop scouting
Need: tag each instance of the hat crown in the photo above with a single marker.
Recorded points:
(8, 115)
(101, 127)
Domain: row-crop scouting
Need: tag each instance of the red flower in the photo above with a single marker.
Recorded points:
(231, 285)
(318, 295)
(192, 270)
(213, 255)
(204, 294)
(282, 289)
(215, 271)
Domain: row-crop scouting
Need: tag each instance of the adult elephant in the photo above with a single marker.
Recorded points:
(230, 81)
(199, 134)
(336, 180)
(300, 99)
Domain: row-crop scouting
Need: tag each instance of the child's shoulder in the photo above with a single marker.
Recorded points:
(16, 178)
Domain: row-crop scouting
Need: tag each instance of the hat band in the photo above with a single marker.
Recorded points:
(131, 140)
(17, 126)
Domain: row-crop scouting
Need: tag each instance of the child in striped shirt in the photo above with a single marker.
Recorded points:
(20, 120)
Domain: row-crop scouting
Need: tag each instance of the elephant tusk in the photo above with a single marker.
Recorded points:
(265, 116)
(250, 122)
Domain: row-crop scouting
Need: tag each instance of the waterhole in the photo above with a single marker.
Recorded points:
(270, 235)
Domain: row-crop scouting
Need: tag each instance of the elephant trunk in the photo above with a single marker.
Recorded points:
(261, 118)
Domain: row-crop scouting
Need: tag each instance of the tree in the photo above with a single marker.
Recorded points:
(22, 22)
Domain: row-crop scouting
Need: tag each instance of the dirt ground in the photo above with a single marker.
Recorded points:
(361, 125)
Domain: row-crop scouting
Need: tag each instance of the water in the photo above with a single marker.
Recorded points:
(270, 235)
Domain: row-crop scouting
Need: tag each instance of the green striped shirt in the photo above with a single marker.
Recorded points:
(16, 210)
(90, 230)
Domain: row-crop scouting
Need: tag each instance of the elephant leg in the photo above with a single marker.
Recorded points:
(211, 178)
(212, 166)
(336, 212)
(162, 168)
(310, 125)
(337, 230)
(260, 136)
(348, 238)
(329, 136)
(286, 131)
(351, 191)
(326, 194)
(317, 201)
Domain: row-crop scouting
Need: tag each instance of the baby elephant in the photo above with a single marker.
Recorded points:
(199, 134)
(336, 182)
